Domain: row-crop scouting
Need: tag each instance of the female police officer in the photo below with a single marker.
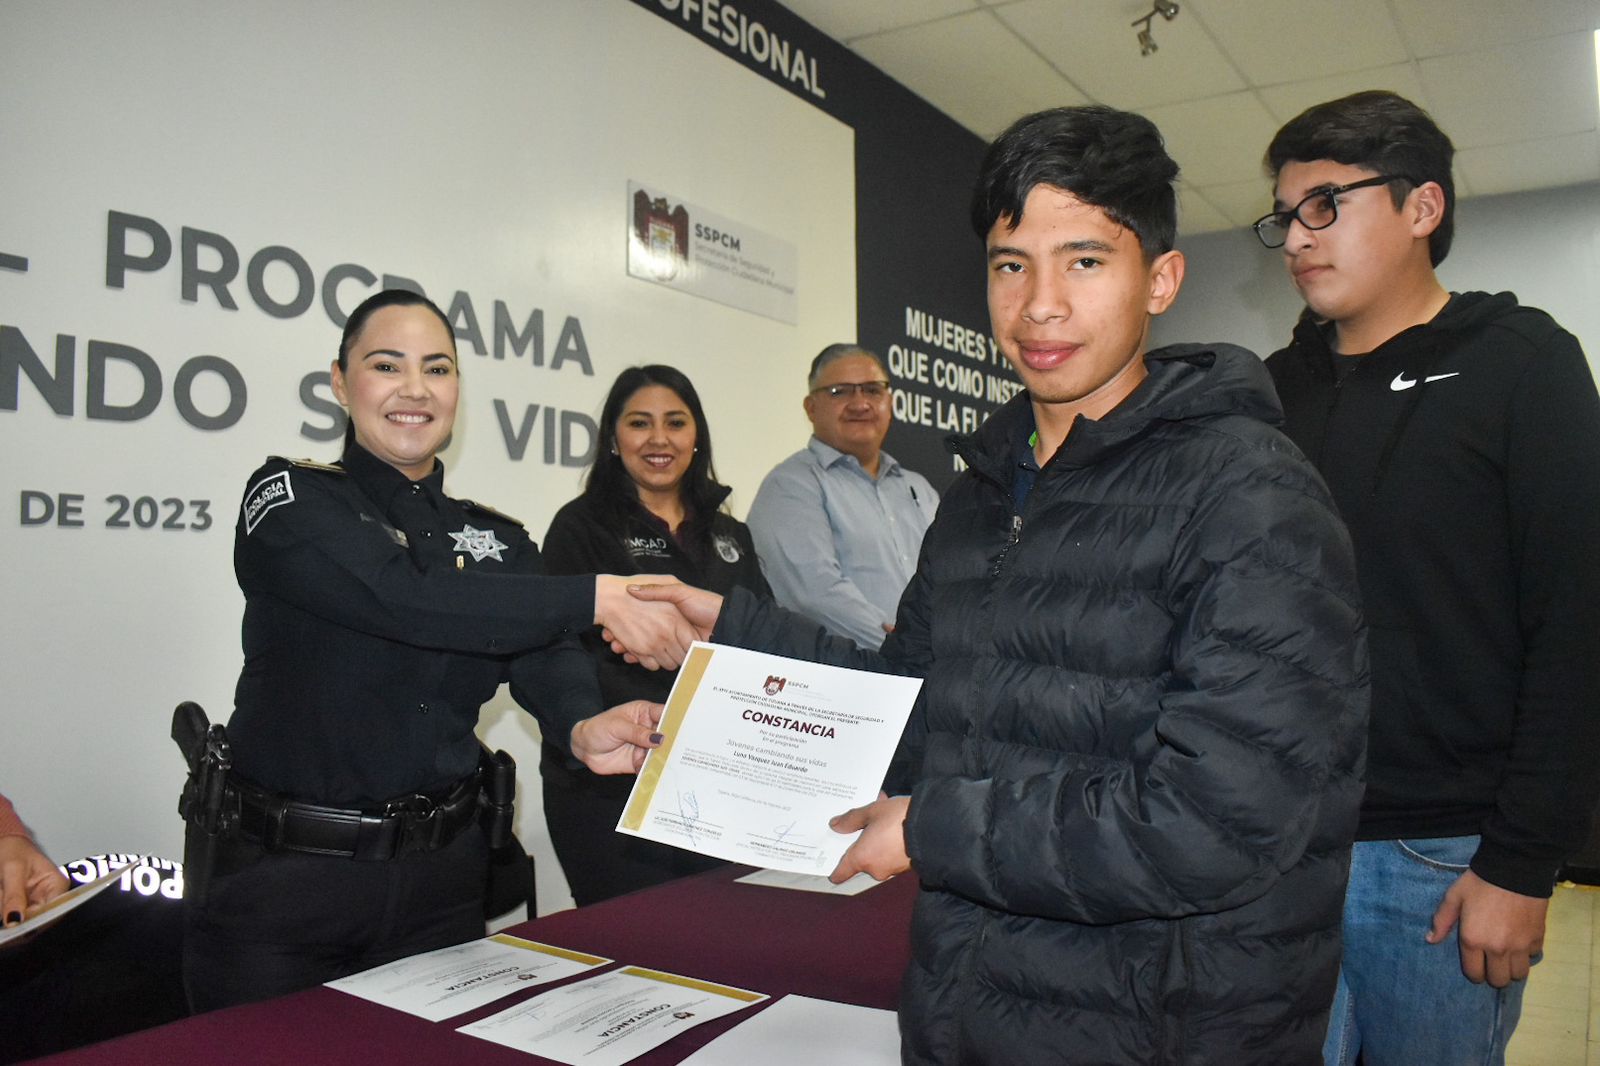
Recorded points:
(379, 615)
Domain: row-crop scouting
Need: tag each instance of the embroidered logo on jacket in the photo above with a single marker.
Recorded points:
(647, 547)
(480, 543)
(269, 492)
(728, 548)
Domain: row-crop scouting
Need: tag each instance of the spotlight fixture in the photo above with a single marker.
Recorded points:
(1147, 42)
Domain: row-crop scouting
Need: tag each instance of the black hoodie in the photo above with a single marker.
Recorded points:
(1465, 455)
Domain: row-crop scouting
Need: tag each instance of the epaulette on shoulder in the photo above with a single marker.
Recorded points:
(474, 505)
(311, 464)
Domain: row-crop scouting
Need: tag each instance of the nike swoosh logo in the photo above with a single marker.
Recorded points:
(1401, 383)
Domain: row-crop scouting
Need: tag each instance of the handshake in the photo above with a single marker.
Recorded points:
(651, 620)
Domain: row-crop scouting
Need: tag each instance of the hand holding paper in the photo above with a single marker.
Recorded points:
(616, 740)
(880, 851)
(762, 751)
(27, 878)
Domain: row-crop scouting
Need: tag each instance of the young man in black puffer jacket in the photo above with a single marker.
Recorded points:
(1131, 781)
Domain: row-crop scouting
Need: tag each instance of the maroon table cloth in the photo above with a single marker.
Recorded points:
(852, 949)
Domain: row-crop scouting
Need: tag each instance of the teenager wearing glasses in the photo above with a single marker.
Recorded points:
(838, 524)
(1460, 435)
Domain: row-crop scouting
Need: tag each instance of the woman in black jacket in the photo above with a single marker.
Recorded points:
(651, 504)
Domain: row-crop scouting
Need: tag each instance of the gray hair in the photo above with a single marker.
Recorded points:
(833, 353)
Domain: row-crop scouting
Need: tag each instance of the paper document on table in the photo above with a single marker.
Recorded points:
(610, 1019)
(801, 1031)
(809, 882)
(761, 751)
(449, 981)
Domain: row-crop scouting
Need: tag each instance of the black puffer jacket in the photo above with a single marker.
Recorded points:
(1140, 740)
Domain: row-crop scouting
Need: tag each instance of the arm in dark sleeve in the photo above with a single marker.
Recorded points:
(558, 686)
(1257, 738)
(752, 621)
(1549, 788)
(910, 649)
(757, 623)
(319, 552)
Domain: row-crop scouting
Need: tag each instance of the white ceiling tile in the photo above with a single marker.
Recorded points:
(1093, 43)
(1274, 41)
(1289, 99)
(1490, 71)
(972, 68)
(1241, 202)
(1196, 215)
(1442, 27)
(1216, 140)
(1499, 96)
(1544, 163)
(846, 19)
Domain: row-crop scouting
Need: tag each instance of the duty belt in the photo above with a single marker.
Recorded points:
(402, 825)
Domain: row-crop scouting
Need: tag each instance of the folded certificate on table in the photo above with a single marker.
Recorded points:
(761, 751)
(808, 882)
(610, 1019)
(800, 1031)
(449, 981)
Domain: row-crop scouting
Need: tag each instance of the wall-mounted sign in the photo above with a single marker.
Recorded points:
(687, 247)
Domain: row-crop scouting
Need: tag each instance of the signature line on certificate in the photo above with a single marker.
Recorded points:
(689, 811)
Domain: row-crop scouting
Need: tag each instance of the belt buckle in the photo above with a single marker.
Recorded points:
(419, 807)
(417, 814)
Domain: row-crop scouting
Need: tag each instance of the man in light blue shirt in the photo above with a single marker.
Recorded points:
(838, 524)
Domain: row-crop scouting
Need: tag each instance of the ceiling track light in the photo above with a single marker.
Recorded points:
(1147, 42)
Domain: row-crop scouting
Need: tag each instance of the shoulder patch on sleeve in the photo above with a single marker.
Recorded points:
(274, 490)
(474, 505)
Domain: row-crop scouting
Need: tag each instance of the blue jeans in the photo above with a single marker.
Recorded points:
(1402, 1001)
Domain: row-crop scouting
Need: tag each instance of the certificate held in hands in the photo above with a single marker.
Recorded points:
(761, 751)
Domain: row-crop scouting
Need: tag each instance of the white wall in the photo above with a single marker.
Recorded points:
(1544, 246)
(480, 147)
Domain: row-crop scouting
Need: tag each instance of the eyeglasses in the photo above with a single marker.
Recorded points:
(1317, 211)
(872, 390)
